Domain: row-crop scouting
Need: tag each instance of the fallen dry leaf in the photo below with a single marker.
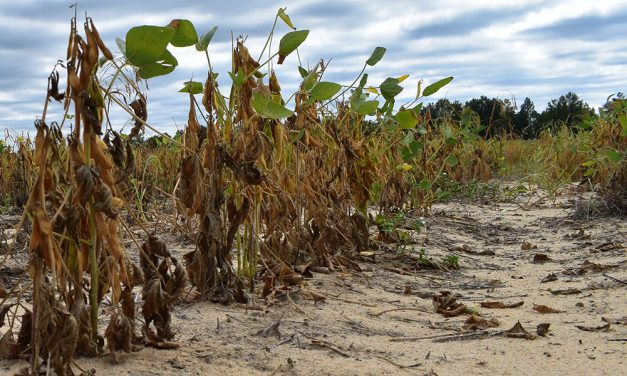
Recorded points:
(570, 291)
(525, 246)
(540, 258)
(545, 309)
(619, 320)
(475, 322)
(500, 305)
(586, 266)
(603, 328)
(517, 331)
(446, 304)
(542, 329)
(549, 278)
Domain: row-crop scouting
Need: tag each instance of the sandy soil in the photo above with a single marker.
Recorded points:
(349, 333)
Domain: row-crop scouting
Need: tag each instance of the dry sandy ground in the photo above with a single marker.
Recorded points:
(350, 334)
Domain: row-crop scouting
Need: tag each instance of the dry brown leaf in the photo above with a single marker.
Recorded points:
(603, 328)
(542, 329)
(549, 278)
(9, 349)
(501, 305)
(569, 291)
(475, 322)
(619, 320)
(525, 246)
(3, 312)
(446, 304)
(540, 258)
(119, 334)
(545, 309)
(517, 331)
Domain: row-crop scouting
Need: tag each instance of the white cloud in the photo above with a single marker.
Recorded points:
(535, 48)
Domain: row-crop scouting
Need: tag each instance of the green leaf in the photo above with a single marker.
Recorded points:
(151, 70)
(406, 119)
(424, 185)
(239, 78)
(193, 87)
(390, 88)
(303, 72)
(164, 65)
(324, 90)
(286, 18)
(147, 44)
(590, 172)
(290, 42)
(434, 87)
(367, 107)
(451, 161)
(298, 136)
(451, 141)
(363, 80)
(623, 123)
(269, 109)
(204, 41)
(589, 163)
(376, 56)
(185, 34)
(121, 45)
(614, 155)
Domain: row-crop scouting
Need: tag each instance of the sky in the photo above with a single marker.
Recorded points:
(504, 49)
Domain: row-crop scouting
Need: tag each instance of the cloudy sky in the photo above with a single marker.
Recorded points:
(505, 49)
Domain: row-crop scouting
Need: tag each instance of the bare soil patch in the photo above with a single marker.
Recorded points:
(570, 275)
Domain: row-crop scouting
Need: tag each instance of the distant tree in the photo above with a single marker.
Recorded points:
(495, 114)
(444, 109)
(569, 110)
(525, 120)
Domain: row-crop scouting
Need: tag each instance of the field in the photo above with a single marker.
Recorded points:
(350, 235)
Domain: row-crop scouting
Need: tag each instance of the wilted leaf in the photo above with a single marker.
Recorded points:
(527, 246)
(545, 309)
(517, 331)
(569, 291)
(542, 329)
(540, 258)
(619, 320)
(549, 278)
(603, 328)
(500, 305)
(446, 304)
(270, 330)
(475, 322)
(286, 18)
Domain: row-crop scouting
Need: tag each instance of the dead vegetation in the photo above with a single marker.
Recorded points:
(265, 193)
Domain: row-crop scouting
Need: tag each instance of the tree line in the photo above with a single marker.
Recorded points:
(504, 116)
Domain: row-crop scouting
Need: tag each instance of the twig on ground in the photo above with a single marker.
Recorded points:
(401, 309)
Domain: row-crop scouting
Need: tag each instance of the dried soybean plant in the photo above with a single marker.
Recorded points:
(77, 259)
